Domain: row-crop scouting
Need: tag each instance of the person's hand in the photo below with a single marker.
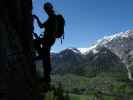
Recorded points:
(35, 35)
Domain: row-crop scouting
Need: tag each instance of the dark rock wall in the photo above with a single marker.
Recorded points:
(17, 75)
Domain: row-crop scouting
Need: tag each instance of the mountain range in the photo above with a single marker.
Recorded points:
(111, 54)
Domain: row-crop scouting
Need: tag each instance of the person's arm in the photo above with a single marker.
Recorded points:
(38, 21)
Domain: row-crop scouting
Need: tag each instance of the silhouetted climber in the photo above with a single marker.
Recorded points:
(54, 28)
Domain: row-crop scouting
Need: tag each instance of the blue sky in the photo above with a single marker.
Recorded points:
(87, 20)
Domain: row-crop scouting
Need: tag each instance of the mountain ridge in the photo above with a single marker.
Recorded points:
(117, 44)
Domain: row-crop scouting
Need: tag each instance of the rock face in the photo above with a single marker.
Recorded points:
(16, 68)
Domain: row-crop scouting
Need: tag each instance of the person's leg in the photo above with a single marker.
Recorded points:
(46, 64)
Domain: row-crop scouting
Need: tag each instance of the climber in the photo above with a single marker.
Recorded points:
(48, 39)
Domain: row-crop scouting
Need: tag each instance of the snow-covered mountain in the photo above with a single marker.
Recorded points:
(120, 44)
(89, 64)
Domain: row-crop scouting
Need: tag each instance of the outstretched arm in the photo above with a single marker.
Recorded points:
(38, 21)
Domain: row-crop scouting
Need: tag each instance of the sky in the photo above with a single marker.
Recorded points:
(87, 20)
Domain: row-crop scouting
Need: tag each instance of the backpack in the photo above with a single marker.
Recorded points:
(60, 23)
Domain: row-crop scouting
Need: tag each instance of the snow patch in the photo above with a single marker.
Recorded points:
(85, 51)
(107, 39)
(74, 50)
(95, 51)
